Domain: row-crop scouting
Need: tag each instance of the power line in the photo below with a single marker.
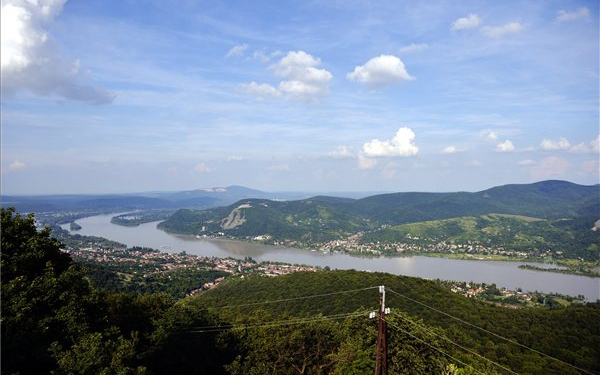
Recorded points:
(490, 332)
(274, 323)
(294, 298)
(456, 344)
(433, 347)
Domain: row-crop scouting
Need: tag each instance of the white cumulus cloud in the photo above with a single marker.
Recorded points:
(400, 145)
(302, 78)
(469, 22)
(380, 71)
(31, 60)
(500, 31)
(560, 144)
(592, 146)
(295, 64)
(237, 51)
(506, 146)
(564, 15)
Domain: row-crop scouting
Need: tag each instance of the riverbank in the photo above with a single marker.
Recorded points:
(571, 266)
(579, 270)
(503, 273)
(566, 266)
(117, 268)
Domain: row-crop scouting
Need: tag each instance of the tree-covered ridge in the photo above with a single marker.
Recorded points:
(570, 334)
(54, 321)
(547, 218)
(308, 221)
(562, 238)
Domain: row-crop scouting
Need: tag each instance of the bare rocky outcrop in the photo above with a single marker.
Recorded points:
(235, 217)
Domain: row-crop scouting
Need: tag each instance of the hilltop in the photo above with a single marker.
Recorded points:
(549, 213)
(339, 292)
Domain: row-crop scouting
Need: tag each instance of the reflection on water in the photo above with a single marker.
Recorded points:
(504, 274)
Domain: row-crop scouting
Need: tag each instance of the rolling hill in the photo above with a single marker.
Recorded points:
(308, 220)
(571, 238)
(324, 218)
(570, 334)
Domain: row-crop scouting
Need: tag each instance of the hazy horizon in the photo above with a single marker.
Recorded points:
(307, 192)
(121, 97)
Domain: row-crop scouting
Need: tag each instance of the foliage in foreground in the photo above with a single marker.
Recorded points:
(55, 321)
(571, 334)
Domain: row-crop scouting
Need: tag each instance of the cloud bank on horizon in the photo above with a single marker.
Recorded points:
(354, 96)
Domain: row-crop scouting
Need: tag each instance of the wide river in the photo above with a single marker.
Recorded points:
(504, 274)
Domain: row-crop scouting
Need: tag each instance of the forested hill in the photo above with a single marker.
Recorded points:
(325, 218)
(569, 334)
(546, 199)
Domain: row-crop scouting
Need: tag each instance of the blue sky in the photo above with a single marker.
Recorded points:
(124, 96)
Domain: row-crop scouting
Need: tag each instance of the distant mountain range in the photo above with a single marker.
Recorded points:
(197, 199)
(194, 199)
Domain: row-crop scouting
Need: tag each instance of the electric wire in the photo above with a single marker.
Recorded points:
(341, 316)
(218, 308)
(490, 332)
(454, 343)
(433, 347)
(274, 323)
(293, 298)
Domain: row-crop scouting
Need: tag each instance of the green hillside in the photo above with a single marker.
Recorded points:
(565, 238)
(569, 211)
(570, 334)
(308, 221)
(546, 199)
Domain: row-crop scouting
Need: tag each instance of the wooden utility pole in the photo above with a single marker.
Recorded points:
(381, 356)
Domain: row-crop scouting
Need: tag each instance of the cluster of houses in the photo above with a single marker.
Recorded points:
(353, 244)
(149, 262)
(481, 291)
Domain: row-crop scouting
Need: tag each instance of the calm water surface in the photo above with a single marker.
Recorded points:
(504, 274)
